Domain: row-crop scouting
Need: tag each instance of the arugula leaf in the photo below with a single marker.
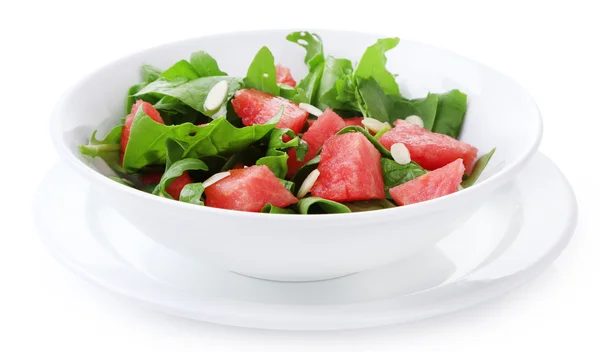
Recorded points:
(214, 162)
(174, 152)
(248, 156)
(477, 169)
(150, 73)
(261, 73)
(312, 43)
(192, 193)
(180, 69)
(270, 208)
(174, 112)
(395, 174)
(308, 87)
(130, 96)
(306, 169)
(373, 102)
(372, 65)
(316, 205)
(425, 108)
(192, 93)
(147, 139)
(367, 205)
(275, 160)
(451, 110)
(336, 89)
(382, 131)
(350, 129)
(177, 169)
(108, 148)
(205, 64)
(289, 185)
(286, 91)
(276, 142)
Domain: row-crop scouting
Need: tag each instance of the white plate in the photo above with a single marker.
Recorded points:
(509, 240)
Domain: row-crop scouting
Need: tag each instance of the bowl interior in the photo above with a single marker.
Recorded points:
(500, 114)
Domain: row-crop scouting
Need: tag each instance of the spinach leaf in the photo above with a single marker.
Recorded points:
(177, 169)
(276, 142)
(367, 205)
(192, 193)
(130, 96)
(147, 139)
(451, 110)
(192, 93)
(425, 108)
(289, 185)
(275, 160)
(261, 73)
(395, 174)
(307, 88)
(108, 148)
(174, 112)
(150, 73)
(350, 129)
(205, 64)
(336, 89)
(270, 208)
(316, 205)
(373, 102)
(180, 69)
(286, 91)
(477, 169)
(372, 65)
(306, 169)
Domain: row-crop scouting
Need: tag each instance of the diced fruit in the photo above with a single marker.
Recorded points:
(354, 121)
(350, 170)
(256, 107)
(327, 125)
(428, 149)
(284, 75)
(148, 109)
(434, 184)
(174, 189)
(249, 189)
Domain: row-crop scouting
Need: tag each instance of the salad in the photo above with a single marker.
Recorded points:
(342, 139)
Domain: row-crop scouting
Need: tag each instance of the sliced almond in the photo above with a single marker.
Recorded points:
(313, 110)
(308, 183)
(400, 153)
(215, 178)
(374, 125)
(216, 96)
(415, 120)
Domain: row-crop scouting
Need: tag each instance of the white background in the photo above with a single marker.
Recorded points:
(46, 46)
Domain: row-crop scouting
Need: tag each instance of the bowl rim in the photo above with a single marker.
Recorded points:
(495, 180)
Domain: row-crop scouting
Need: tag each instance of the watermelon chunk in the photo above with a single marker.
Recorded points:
(148, 109)
(284, 75)
(174, 189)
(256, 107)
(354, 121)
(434, 184)
(327, 125)
(249, 189)
(350, 170)
(428, 149)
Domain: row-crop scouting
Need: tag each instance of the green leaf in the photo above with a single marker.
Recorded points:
(261, 73)
(150, 73)
(374, 103)
(316, 205)
(214, 162)
(270, 208)
(306, 169)
(372, 65)
(381, 132)
(121, 180)
(276, 142)
(425, 108)
(192, 193)
(337, 88)
(286, 91)
(307, 89)
(248, 156)
(174, 152)
(477, 169)
(350, 129)
(147, 139)
(108, 148)
(192, 93)
(180, 69)
(312, 43)
(174, 112)
(205, 64)
(177, 169)
(289, 185)
(395, 174)
(277, 162)
(451, 110)
(130, 96)
(368, 205)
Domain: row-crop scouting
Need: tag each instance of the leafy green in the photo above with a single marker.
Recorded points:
(306, 169)
(307, 88)
(147, 139)
(425, 108)
(192, 193)
(214, 162)
(373, 102)
(312, 43)
(316, 205)
(451, 110)
(270, 208)
(108, 148)
(150, 73)
(177, 169)
(366, 205)
(130, 96)
(121, 180)
(350, 129)
(381, 132)
(289, 185)
(276, 142)
(205, 64)
(174, 112)
(276, 161)
(261, 73)
(395, 174)
(372, 65)
(192, 92)
(477, 169)
(286, 91)
(180, 69)
(336, 89)
(248, 156)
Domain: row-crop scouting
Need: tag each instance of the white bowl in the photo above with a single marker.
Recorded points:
(293, 247)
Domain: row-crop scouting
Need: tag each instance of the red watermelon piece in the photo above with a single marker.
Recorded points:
(256, 107)
(434, 184)
(148, 109)
(350, 170)
(354, 121)
(327, 125)
(174, 189)
(284, 75)
(248, 189)
(428, 149)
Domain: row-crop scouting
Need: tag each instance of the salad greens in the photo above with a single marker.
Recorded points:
(188, 128)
